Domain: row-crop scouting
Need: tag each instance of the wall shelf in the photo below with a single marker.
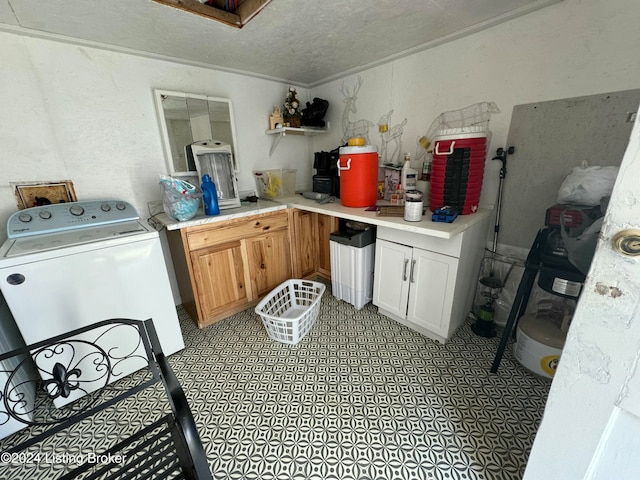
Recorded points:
(284, 131)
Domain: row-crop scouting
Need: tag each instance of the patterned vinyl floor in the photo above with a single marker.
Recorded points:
(360, 397)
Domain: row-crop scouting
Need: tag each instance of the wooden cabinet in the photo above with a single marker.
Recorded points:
(326, 226)
(225, 267)
(304, 234)
(269, 261)
(220, 279)
(310, 236)
(417, 277)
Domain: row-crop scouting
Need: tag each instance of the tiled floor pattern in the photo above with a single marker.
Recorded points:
(360, 397)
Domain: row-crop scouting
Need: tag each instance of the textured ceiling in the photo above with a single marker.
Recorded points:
(299, 41)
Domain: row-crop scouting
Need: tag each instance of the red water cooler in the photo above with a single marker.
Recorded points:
(457, 171)
(358, 171)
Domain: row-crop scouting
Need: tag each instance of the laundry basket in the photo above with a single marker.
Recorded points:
(291, 309)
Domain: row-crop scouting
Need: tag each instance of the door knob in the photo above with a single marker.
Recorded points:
(627, 242)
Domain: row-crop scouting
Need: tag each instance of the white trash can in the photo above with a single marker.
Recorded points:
(352, 264)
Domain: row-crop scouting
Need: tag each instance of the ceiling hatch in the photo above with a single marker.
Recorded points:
(235, 13)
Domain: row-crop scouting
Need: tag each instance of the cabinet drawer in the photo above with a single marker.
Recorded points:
(237, 230)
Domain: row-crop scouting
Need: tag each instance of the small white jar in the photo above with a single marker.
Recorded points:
(413, 206)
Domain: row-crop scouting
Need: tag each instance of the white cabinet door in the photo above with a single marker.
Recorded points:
(432, 283)
(391, 277)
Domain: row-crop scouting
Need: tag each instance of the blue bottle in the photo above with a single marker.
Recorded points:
(210, 196)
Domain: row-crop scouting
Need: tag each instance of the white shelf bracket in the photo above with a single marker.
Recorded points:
(275, 142)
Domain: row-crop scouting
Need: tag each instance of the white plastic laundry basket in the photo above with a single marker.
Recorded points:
(291, 309)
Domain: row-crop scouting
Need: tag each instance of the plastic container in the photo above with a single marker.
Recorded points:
(352, 265)
(539, 345)
(275, 183)
(413, 206)
(358, 171)
(408, 176)
(291, 309)
(210, 196)
(459, 157)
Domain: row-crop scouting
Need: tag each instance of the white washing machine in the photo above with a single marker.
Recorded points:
(66, 266)
(10, 339)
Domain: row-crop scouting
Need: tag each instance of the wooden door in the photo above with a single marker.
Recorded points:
(305, 238)
(269, 259)
(326, 226)
(221, 281)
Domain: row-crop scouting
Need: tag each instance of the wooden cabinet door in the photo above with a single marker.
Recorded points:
(391, 277)
(326, 226)
(220, 280)
(305, 238)
(432, 283)
(269, 258)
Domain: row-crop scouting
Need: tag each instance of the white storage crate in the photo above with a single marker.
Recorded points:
(291, 309)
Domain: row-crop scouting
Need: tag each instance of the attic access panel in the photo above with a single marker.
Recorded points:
(242, 12)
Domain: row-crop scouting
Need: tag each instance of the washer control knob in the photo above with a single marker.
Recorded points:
(76, 210)
(45, 214)
(120, 206)
(627, 242)
(105, 207)
(24, 217)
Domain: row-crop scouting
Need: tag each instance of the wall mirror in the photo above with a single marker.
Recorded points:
(187, 118)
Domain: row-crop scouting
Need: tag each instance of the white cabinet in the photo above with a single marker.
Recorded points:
(427, 283)
(433, 278)
(391, 277)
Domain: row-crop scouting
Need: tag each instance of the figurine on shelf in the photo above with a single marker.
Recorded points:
(313, 115)
(275, 119)
(291, 112)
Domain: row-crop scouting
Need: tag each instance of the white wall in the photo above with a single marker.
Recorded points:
(88, 115)
(573, 48)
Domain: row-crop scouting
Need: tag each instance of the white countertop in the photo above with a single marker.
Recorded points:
(245, 210)
(335, 209)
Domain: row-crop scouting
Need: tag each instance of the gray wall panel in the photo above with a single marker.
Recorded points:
(551, 138)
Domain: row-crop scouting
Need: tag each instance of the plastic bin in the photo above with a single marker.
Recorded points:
(275, 183)
(352, 265)
(291, 309)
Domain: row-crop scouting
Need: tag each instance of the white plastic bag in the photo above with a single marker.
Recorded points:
(586, 185)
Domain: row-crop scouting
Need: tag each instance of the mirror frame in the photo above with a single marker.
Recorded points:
(159, 94)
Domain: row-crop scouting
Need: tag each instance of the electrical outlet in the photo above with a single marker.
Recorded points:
(631, 116)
